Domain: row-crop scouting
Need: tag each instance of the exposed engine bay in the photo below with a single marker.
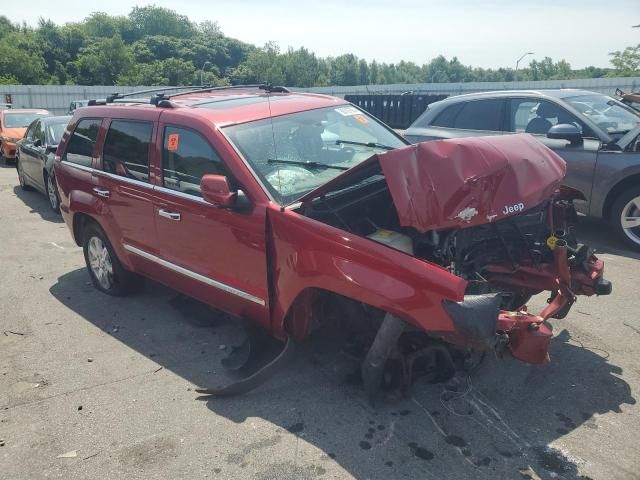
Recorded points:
(527, 239)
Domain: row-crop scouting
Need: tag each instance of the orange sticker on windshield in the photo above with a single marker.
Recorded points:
(173, 142)
(361, 118)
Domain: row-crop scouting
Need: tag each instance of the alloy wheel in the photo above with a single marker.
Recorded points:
(51, 191)
(630, 220)
(100, 262)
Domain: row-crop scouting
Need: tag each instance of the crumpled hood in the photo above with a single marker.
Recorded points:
(469, 181)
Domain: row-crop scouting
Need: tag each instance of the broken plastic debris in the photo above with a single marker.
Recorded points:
(467, 214)
(71, 454)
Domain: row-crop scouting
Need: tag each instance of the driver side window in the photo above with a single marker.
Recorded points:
(530, 115)
(186, 158)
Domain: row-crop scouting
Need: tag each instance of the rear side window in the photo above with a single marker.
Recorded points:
(126, 149)
(186, 158)
(481, 115)
(82, 142)
(30, 134)
(447, 117)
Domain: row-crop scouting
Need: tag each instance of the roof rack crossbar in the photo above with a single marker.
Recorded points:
(262, 86)
(117, 95)
(209, 88)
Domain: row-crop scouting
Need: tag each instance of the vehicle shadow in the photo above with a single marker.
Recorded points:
(497, 424)
(38, 203)
(600, 235)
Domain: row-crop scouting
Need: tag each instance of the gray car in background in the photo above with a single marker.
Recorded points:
(596, 135)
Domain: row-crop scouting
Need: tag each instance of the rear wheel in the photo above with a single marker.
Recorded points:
(107, 273)
(52, 192)
(625, 216)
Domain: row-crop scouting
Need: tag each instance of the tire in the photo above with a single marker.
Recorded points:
(21, 178)
(52, 192)
(106, 272)
(625, 217)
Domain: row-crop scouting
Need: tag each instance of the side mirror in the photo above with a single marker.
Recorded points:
(215, 189)
(37, 143)
(565, 131)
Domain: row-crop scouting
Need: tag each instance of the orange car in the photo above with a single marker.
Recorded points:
(13, 124)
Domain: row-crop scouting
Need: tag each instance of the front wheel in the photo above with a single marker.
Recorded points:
(625, 216)
(107, 273)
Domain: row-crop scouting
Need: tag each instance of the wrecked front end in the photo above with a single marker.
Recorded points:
(490, 211)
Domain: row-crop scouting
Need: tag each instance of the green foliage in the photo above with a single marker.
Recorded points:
(157, 46)
(20, 59)
(627, 61)
(154, 20)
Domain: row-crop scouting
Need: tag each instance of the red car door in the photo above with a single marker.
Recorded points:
(216, 255)
(124, 181)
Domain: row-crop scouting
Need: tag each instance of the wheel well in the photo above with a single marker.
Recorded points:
(308, 308)
(80, 221)
(619, 187)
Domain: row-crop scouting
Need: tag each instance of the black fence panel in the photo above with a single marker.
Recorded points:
(397, 111)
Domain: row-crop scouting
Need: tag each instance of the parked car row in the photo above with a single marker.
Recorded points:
(596, 135)
(277, 207)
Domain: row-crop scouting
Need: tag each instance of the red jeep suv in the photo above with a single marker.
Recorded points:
(272, 205)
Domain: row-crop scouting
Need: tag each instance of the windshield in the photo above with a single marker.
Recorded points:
(20, 120)
(610, 115)
(296, 153)
(56, 130)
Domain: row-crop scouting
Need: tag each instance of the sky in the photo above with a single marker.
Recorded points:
(491, 33)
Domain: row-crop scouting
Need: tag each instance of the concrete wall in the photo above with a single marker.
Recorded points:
(603, 85)
(56, 98)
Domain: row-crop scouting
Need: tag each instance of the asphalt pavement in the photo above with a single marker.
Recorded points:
(99, 387)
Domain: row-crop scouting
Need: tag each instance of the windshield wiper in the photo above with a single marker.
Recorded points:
(365, 144)
(306, 164)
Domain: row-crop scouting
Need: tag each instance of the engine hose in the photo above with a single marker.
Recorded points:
(384, 343)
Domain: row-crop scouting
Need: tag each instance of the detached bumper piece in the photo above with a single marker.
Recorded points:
(484, 326)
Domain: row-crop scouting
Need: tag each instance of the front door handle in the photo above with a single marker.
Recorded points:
(101, 192)
(175, 216)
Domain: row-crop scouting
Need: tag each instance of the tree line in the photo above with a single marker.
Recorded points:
(158, 46)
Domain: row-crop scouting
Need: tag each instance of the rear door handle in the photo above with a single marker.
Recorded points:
(101, 192)
(175, 216)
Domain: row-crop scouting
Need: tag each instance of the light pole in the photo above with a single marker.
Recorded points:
(518, 62)
(434, 75)
(202, 70)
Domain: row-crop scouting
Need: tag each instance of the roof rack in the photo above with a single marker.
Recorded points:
(163, 100)
(267, 87)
